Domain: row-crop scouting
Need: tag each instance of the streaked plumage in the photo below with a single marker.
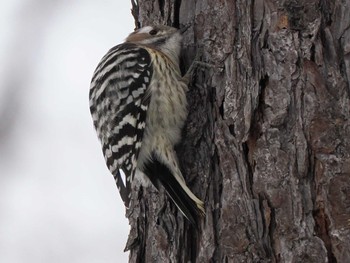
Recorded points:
(138, 105)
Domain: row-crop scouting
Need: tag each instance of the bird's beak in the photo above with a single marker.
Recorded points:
(184, 29)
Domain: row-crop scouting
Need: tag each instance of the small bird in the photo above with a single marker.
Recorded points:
(138, 106)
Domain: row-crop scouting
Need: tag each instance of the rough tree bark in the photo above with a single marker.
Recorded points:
(267, 141)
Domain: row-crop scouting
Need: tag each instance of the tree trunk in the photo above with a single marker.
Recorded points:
(267, 140)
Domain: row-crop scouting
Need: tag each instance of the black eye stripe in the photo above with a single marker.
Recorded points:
(160, 41)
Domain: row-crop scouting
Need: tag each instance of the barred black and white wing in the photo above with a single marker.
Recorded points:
(119, 100)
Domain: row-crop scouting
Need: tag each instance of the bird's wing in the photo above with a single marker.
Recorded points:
(119, 100)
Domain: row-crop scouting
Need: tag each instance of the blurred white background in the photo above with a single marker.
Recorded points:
(58, 202)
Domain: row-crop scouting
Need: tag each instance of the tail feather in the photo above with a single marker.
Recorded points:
(160, 174)
(124, 189)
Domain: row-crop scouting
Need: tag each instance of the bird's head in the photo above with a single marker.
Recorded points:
(164, 38)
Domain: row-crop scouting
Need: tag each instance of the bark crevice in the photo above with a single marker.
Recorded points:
(322, 231)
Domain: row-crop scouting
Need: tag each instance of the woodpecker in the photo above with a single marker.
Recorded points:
(138, 106)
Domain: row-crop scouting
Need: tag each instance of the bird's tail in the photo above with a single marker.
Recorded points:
(189, 205)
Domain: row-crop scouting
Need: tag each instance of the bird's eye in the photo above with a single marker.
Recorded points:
(153, 32)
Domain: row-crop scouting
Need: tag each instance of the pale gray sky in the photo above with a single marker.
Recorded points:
(58, 202)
